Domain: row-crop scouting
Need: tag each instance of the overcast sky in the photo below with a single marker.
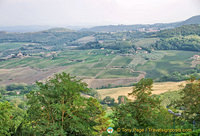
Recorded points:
(95, 12)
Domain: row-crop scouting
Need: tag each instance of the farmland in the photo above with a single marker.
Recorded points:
(101, 59)
(96, 66)
(158, 88)
(151, 66)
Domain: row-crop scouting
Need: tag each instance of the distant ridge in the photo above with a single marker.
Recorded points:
(158, 26)
(107, 28)
(192, 20)
(24, 29)
(59, 29)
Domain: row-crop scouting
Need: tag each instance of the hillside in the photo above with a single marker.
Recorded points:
(192, 20)
(58, 29)
(138, 27)
(102, 59)
(144, 27)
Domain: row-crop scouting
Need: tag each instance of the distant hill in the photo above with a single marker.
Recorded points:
(59, 29)
(192, 20)
(24, 29)
(140, 27)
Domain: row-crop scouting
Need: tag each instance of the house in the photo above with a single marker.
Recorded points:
(20, 55)
(197, 57)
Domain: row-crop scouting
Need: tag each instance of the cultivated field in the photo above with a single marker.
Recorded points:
(158, 88)
(98, 67)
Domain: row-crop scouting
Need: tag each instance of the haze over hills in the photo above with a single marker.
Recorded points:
(23, 29)
(143, 27)
(106, 28)
(36, 28)
(192, 20)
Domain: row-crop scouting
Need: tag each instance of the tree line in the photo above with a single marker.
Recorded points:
(58, 107)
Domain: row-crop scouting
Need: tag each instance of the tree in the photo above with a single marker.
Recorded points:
(122, 99)
(57, 108)
(190, 101)
(10, 118)
(144, 111)
(5, 118)
(145, 104)
(108, 100)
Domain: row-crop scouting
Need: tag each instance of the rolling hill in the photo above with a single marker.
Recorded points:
(192, 20)
(141, 27)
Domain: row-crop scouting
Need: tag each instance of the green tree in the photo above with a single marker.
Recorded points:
(190, 101)
(58, 108)
(5, 118)
(145, 104)
(145, 111)
(122, 99)
(108, 100)
(10, 118)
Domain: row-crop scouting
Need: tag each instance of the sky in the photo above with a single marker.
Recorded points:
(95, 12)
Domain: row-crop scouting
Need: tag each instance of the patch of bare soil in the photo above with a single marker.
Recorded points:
(26, 75)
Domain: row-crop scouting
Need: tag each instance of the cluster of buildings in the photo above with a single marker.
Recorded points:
(17, 55)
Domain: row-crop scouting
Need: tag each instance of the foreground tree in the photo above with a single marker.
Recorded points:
(145, 111)
(5, 118)
(10, 118)
(57, 108)
(189, 103)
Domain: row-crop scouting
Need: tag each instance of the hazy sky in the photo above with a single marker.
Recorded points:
(95, 12)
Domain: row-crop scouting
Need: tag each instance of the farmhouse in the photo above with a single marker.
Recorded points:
(20, 55)
(196, 57)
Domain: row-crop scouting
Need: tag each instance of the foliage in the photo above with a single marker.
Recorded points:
(188, 43)
(10, 118)
(192, 133)
(90, 45)
(11, 89)
(108, 100)
(5, 118)
(190, 102)
(122, 99)
(58, 108)
(180, 31)
(144, 112)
